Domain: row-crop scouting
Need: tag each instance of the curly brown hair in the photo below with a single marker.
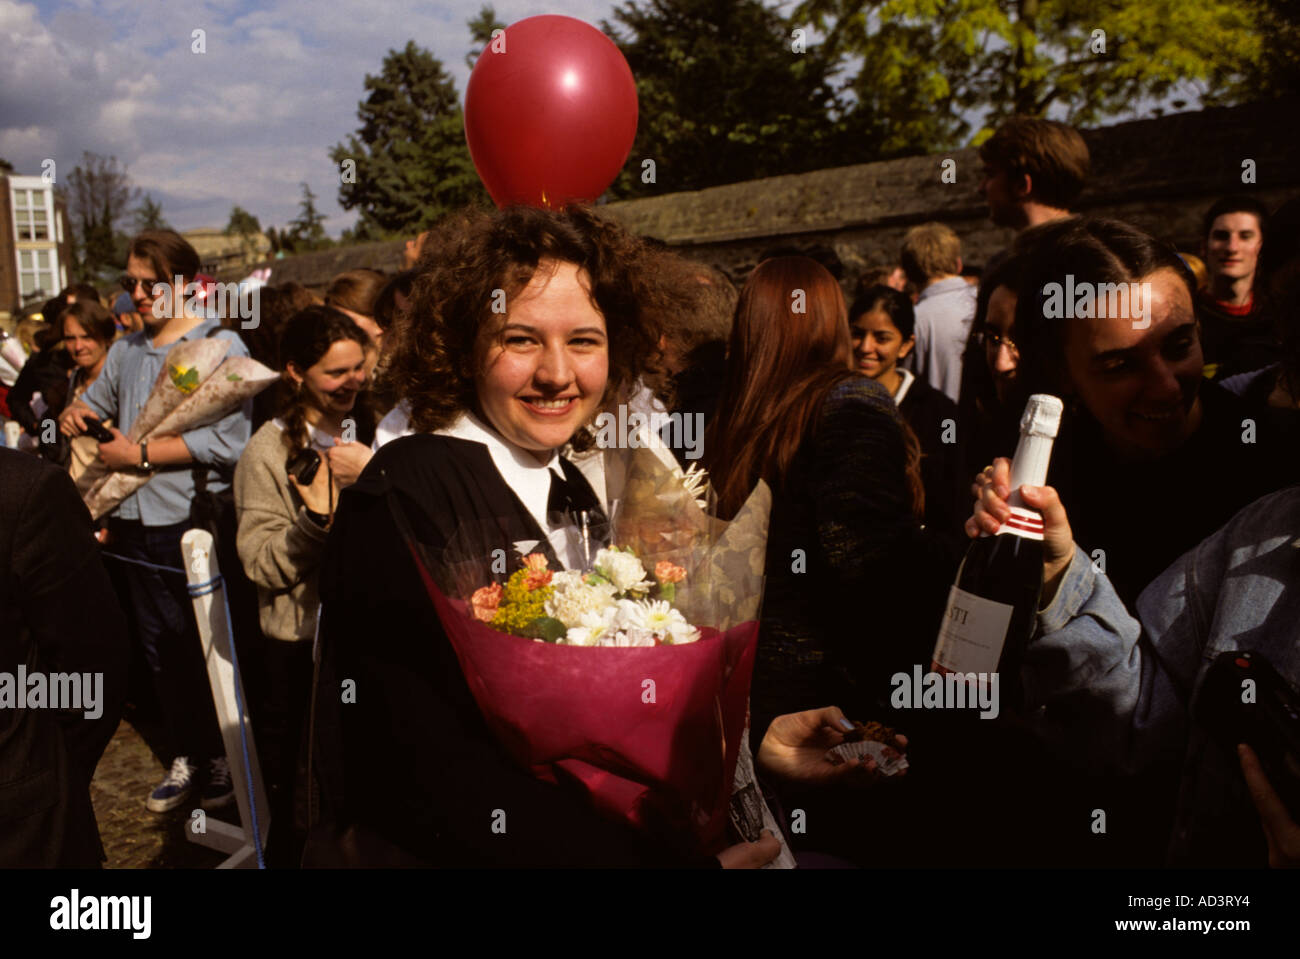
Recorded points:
(442, 340)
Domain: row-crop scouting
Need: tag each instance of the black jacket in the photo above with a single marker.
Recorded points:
(411, 763)
(58, 613)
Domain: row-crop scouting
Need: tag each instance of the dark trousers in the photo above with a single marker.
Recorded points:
(284, 748)
(168, 636)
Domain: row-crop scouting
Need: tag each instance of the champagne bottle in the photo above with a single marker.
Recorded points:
(994, 602)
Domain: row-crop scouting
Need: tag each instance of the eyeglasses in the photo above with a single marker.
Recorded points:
(128, 283)
(995, 341)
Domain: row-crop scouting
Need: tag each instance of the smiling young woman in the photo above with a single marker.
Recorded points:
(523, 325)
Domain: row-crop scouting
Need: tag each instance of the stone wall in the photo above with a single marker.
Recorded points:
(1159, 174)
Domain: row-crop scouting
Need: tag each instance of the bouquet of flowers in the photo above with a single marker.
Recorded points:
(628, 679)
(613, 604)
(197, 385)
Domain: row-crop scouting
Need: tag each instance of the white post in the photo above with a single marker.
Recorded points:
(214, 633)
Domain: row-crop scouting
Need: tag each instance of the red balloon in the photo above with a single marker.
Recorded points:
(550, 113)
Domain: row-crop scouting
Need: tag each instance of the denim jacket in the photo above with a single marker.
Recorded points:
(1117, 691)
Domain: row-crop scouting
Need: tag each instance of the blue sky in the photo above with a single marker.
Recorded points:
(243, 123)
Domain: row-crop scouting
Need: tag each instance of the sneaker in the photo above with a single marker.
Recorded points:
(175, 788)
(218, 792)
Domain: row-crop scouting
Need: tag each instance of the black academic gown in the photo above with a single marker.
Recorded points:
(58, 614)
(410, 766)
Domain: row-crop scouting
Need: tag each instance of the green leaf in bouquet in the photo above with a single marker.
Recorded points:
(668, 592)
(234, 378)
(545, 628)
(185, 380)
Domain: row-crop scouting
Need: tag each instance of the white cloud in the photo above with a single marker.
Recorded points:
(244, 122)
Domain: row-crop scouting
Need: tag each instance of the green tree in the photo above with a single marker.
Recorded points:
(99, 196)
(408, 164)
(726, 93)
(1278, 72)
(6, 166)
(307, 229)
(1083, 60)
(149, 215)
(245, 226)
(480, 32)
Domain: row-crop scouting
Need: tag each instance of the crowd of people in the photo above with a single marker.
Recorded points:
(462, 391)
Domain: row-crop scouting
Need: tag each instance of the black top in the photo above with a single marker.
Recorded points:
(1144, 515)
(855, 588)
(1236, 344)
(932, 415)
(45, 372)
(411, 760)
(58, 613)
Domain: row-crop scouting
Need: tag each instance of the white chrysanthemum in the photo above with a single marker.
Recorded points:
(681, 632)
(659, 615)
(622, 569)
(584, 636)
(629, 614)
(668, 623)
(631, 637)
(571, 599)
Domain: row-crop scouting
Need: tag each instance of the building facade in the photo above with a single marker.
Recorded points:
(35, 242)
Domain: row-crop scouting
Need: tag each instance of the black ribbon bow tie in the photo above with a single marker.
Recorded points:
(573, 497)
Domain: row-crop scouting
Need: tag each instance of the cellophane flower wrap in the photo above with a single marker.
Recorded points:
(197, 385)
(649, 733)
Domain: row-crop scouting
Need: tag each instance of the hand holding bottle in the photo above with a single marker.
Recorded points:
(991, 509)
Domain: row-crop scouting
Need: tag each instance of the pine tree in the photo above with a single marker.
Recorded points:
(408, 164)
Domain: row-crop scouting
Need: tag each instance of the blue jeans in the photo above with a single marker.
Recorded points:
(169, 637)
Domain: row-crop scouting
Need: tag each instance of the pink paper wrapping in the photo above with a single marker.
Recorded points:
(579, 716)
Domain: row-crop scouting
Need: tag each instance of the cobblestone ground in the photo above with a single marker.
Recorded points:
(134, 837)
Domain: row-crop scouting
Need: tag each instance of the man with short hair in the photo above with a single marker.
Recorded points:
(1236, 335)
(186, 472)
(931, 258)
(1033, 171)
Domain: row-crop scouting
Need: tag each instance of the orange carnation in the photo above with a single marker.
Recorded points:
(667, 572)
(536, 578)
(485, 601)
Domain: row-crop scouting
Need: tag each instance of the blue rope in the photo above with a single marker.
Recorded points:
(207, 588)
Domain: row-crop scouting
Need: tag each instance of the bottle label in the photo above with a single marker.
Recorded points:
(972, 634)
(1023, 522)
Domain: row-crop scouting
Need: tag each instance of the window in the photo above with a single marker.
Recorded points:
(35, 272)
(31, 218)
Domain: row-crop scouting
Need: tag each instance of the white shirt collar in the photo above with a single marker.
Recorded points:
(318, 437)
(908, 379)
(529, 479)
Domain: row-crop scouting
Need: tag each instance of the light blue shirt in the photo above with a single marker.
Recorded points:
(120, 391)
(944, 312)
(1117, 691)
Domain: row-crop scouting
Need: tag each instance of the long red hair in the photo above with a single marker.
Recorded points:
(789, 347)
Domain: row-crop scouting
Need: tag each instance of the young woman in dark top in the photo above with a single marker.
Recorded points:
(847, 498)
(881, 325)
(409, 771)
